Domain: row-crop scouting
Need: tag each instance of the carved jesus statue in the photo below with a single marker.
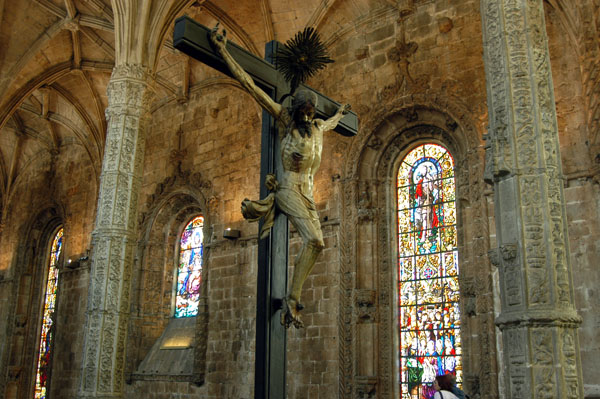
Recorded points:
(301, 137)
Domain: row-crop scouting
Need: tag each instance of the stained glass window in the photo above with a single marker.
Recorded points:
(428, 292)
(47, 330)
(189, 272)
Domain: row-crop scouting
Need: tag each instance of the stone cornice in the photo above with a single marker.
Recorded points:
(540, 318)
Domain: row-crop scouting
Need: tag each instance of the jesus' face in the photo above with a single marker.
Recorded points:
(303, 118)
(305, 113)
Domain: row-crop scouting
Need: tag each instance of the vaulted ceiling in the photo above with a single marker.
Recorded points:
(56, 58)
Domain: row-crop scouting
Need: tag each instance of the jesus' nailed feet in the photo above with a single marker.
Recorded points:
(290, 314)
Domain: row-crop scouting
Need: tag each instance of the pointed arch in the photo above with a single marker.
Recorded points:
(369, 307)
(176, 202)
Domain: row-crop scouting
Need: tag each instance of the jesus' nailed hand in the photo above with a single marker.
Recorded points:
(301, 138)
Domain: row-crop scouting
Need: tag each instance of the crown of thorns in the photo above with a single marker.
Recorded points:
(301, 57)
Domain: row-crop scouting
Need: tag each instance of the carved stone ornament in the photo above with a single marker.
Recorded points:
(366, 387)
(184, 179)
(411, 114)
(509, 251)
(14, 373)
(347, 305)
(130, 71)
(375, 143)
(474, 385)
(526, 143)
(72, 24)
(494, 256)
(366, 211)
(451, 124)
(366, 307)
(397, 129)
(115, 233)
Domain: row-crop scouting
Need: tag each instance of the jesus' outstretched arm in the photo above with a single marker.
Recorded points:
(220, 42)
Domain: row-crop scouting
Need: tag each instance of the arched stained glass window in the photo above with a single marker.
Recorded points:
(428, 292)
(189, 271)
(47, 330)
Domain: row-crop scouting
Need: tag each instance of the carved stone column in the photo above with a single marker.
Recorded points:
(114, 235)
(538, 319)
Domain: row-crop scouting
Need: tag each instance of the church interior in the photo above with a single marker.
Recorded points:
(461, 222)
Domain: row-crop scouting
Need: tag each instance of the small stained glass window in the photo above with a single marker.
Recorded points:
(47, 330)
(428, 292)
(189, 271)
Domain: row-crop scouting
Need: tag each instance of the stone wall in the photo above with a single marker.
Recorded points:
(202, 155)
(582, 213)
(211, 153)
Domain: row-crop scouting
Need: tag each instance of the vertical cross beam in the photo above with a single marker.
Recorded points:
(271, 286)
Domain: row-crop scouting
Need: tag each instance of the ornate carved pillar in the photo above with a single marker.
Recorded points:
(538, 319)
(114, 235)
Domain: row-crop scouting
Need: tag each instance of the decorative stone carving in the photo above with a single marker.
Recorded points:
(494, 257)
(72, 24)
(400, 54)
(395, 123)
(14, 373)
(472, 381)
(366, 306)
(509, 252)
(366, 212)
(523, 161)
(451, 124)
(184, 180)
(445, 24)
(129, 72)
(366, 387)
(375, 143)
(20, 320)
(468, 292)
(114, 235)
(410, 114)
(348, 268)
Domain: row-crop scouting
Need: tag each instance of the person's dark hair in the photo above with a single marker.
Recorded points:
(303, 97)
(445, 382)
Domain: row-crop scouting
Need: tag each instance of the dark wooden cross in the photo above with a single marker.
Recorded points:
(193, 39)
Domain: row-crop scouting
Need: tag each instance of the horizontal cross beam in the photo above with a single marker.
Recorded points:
(192, 38)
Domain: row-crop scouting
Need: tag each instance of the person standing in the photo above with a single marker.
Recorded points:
(456, 390)
(443, 386)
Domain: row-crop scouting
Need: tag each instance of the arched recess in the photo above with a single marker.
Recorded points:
(176, 201)
(27, 288)
(369, 242)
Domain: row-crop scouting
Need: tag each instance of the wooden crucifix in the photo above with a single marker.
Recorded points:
(275, 310)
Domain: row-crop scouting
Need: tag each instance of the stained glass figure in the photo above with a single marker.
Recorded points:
(428, 293)
(47, 330)
(189, 272)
